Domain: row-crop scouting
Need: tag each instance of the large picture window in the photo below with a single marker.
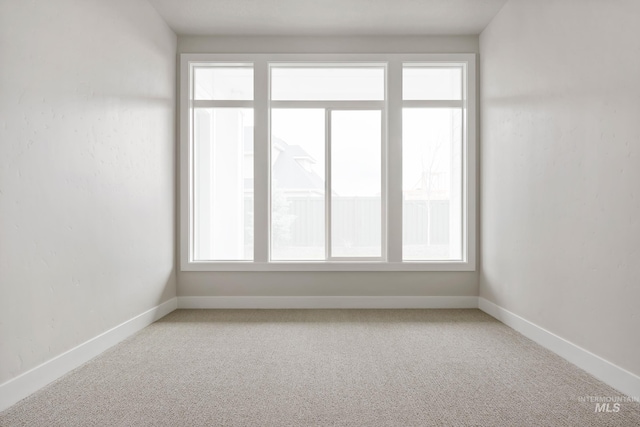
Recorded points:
(327, 162)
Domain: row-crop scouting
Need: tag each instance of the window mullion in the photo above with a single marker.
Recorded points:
(338, 105)
(433, 104)
(327, 196)
(261, 161)
(394, 162)
(206, 103)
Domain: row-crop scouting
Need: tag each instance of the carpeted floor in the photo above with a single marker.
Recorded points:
(324, 368)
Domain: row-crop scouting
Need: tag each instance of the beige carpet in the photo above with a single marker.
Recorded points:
(324, 368)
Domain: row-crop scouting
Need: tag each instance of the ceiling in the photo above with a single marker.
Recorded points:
(328, 17)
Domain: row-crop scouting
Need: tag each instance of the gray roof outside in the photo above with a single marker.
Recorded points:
(287, 171)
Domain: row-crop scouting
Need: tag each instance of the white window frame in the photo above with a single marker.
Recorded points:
(391, 108)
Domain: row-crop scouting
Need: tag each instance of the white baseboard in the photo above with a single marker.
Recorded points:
(284, 302)
(27, 383)
(615, 376)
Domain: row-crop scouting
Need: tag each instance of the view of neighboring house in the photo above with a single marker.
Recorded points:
(298, 200)
(292, 168)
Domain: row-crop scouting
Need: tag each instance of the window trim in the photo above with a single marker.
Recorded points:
(392, 153)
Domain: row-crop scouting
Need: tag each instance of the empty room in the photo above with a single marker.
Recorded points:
(319, 213)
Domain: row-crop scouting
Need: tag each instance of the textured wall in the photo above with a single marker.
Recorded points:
(561, 170)
(328, 283)
(86, 172)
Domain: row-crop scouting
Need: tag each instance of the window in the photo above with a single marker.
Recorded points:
(222, 173)
(327, 162)
(432, 161)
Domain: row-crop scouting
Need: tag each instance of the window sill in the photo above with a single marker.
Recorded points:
(329, 266)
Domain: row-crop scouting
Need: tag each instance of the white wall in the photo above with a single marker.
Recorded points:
(561, 170)
(327, 44)
(87, 110)
(327, 283)
(199, 283)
